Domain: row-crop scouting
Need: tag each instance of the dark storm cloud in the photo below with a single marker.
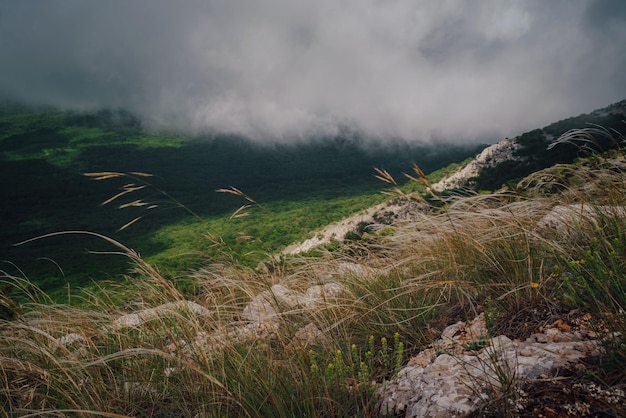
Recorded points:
(285, 69)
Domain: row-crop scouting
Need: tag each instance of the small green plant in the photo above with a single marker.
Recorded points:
(504, 393)
(145, 348)
(478, 344)
(354, 372)
(491, 316)
(597, 280)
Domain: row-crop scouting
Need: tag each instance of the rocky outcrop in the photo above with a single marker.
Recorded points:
(489, 157)
(261, 318)
(264, 310)
(567, 219)
(140, 317)
(385, 214)
(465, 369)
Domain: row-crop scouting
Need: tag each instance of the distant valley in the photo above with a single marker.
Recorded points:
(297, 188)
(301, 187)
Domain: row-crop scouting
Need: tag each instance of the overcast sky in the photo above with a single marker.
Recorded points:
(287, 69)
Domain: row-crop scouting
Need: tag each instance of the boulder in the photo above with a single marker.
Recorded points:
(464, 369)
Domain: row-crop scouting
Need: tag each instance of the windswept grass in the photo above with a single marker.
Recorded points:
(317, 336)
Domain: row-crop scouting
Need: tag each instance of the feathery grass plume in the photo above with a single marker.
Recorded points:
(316, 336)
(241, 211)
(139, 183)
(420, 179)
(146, 203)
(396, 191)
(589, 139)
(128, 188)
(103, 175)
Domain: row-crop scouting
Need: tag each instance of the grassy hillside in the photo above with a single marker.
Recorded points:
(319, 336)
(44, 154)
(535, 154)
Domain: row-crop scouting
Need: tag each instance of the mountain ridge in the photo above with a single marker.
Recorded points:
(505, 153)
(475, 304)
(516, 151)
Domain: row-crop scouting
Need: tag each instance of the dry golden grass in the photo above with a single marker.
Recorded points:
(147, 349)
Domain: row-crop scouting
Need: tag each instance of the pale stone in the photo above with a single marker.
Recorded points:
(317, 295)
(262, 319)
(489, 157)
(138, 318)
(567, 218)
(71, 338)
(264, 307)
(456, 383)
(309, 335)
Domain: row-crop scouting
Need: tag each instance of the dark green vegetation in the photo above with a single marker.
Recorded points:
(45, 153)
(534, 155)
(143, 349)
(320, 335)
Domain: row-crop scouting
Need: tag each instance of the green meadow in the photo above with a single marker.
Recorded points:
(135, 291)
(181, 221)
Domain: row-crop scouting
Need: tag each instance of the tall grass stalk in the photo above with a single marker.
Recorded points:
(145, 348)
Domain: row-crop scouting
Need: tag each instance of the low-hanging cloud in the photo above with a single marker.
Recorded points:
(287, 69)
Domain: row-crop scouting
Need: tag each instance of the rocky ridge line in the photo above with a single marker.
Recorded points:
(489, 157)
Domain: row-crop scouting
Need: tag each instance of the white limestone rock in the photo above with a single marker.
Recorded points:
(261, 318)
(489, 157)
(264, 309)
(138, 318)
(567, 218)
(450, 380)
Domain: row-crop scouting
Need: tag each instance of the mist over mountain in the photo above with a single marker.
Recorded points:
(284, 70)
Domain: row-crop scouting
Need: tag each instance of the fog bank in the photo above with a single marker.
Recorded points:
(282, 70)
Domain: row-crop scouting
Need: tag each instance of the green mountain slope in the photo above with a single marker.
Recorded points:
(45, 153)
(533, 152)
(518, 297)
(300, 187)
